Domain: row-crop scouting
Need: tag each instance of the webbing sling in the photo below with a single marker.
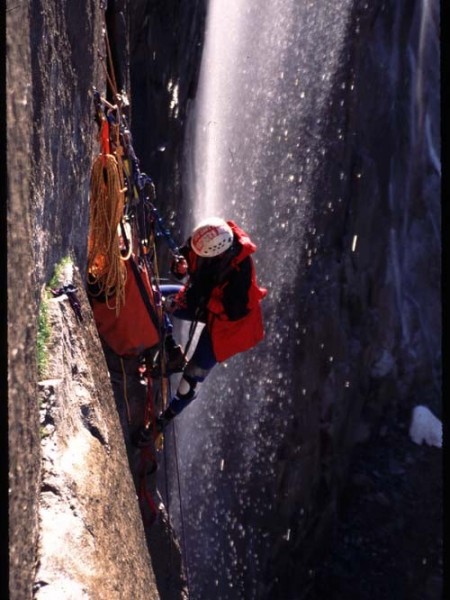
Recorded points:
(144, 296)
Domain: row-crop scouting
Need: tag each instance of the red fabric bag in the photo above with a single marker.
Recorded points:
(132, 331)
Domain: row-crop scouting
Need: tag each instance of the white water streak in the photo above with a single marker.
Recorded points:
(216, 87)
(234, 80)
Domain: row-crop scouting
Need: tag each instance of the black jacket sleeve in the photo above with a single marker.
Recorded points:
(235, 292)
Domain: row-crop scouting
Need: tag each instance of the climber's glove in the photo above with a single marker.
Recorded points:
(179, 266)
(176, 301)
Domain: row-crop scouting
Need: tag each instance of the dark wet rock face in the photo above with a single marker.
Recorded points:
(376, 315)
(64, 42)
(388, 540)
(166, 41)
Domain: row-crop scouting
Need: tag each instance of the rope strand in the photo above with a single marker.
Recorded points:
(125, 394)
(110, 59)
(183, 534)
(105, 265)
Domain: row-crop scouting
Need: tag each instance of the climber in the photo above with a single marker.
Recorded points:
(220, 291)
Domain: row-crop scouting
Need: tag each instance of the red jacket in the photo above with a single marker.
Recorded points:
(232, 336)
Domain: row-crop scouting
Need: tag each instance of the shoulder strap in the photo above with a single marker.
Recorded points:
(144, 295)
(228, 263)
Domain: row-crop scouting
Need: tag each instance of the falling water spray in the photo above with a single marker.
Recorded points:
(252, 154)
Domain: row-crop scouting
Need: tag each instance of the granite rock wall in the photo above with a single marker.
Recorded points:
(52, 63)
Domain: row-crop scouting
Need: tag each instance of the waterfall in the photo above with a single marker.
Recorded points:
(254, 147)
(272, 143)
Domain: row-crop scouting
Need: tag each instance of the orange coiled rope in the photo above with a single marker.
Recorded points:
(105, 265)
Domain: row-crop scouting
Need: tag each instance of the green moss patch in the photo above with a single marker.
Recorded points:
(44, 328)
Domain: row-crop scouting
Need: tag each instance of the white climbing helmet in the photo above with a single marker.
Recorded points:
(211, 237)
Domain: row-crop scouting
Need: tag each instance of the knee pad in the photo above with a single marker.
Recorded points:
(193, 372)
(186, 387)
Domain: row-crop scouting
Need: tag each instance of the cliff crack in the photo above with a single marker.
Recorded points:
(87, 418)
(47, 487)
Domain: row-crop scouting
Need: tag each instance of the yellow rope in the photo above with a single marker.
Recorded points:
(125, 395)
(165, 381)
(105, 266)
(114, 89)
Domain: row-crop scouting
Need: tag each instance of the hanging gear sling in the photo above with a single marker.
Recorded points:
(122, 270)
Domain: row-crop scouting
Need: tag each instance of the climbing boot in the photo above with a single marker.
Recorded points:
(142, 437)
(176, 360)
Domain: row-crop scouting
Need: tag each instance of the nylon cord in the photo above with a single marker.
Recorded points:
(111, 64)
(166, 482)
(183, 533)
(125, 390)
